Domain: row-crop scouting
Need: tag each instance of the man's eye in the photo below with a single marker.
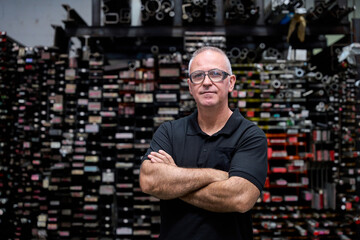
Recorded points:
(198, 75)
(215, 73)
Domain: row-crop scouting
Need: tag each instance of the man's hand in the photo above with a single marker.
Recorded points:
(224, 195)
(161, 157)
(164, 157)
(162, 178)
(235, 194)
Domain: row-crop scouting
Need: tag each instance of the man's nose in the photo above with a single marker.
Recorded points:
(207, 80)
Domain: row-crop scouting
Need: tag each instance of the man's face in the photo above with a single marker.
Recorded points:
(208, 93)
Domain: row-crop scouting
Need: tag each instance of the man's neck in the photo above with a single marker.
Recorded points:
(213, 120)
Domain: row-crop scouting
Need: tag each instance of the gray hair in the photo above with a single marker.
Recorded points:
(214, 49)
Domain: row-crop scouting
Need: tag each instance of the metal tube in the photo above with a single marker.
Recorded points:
(155, 49)
(299, 72)
(280, 95)
(96, 10)
(288, 95)
(245, 50)
(276, 84)
(167, 6)
(356, 29)
(111, 18)
(105, 9)
(251, 55)
(219, 16)
(235, 52)
(334, 86)
(145, 16)
(240, 8)
(308, 93)
(318, 75)
(243, 56)
(326, 79)
(178, 13)
(152, 6)
(160, 16)
(195, 13)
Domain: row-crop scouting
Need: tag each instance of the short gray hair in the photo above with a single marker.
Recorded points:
(214, 49)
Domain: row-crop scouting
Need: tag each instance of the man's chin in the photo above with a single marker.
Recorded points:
(208, 104)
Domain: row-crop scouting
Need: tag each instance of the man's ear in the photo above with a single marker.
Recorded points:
(232, 82)
(188, 81)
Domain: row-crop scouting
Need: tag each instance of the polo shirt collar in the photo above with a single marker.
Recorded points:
(231, 125)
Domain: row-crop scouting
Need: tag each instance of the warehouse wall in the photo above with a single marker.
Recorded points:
(29, 22)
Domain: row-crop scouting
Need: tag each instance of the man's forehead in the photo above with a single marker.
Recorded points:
(209, 57)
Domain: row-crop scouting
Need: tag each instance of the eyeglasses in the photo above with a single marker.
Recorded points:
(215, 75)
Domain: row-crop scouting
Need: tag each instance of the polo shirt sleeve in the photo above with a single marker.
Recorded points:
(250, 158)
(161, 141)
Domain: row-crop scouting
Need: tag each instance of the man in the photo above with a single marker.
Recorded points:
(208, 168)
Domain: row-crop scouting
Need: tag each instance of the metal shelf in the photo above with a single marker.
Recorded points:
(175, 31)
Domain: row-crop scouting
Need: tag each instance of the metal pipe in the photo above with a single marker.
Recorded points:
(356, 29)
(219, 16)
(145, 16)
(288, 95)
(326, 79)
(241, 9)
(152, 6)
(280, 95)
(167, 6)
(178, 13)
(308, 93)
(245, 50)
(96, 11)
(243, 56)
(299, 72)
(251, 55)
(154, 49)
(111, 18)
(318, 75)
(195, 13)
(235, 52)
(160, 16)
(334, 86)
(269, 67)
(105, 8)
(276, 84)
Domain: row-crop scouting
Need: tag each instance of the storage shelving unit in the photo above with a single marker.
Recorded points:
(78, 126)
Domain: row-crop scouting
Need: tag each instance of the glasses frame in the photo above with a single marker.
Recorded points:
(206, 73)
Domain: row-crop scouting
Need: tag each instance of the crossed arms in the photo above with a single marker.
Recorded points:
(206, 188)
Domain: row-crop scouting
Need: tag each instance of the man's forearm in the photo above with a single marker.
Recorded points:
(166, 181)
(232, 195)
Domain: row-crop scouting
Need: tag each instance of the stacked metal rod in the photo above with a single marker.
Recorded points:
(157, 12)
(116, 12)
(237, 11)
(328, 12)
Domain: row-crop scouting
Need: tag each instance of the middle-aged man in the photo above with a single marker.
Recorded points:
(208, 168)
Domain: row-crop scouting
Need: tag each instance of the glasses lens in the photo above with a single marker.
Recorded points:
(197, 76)
(216, 75)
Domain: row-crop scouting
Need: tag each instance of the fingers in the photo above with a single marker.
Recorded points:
(158, 157)
(167, 156)
(155, 158)
(161, 157)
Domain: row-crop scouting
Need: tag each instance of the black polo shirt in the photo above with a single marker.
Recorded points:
(239, 148)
